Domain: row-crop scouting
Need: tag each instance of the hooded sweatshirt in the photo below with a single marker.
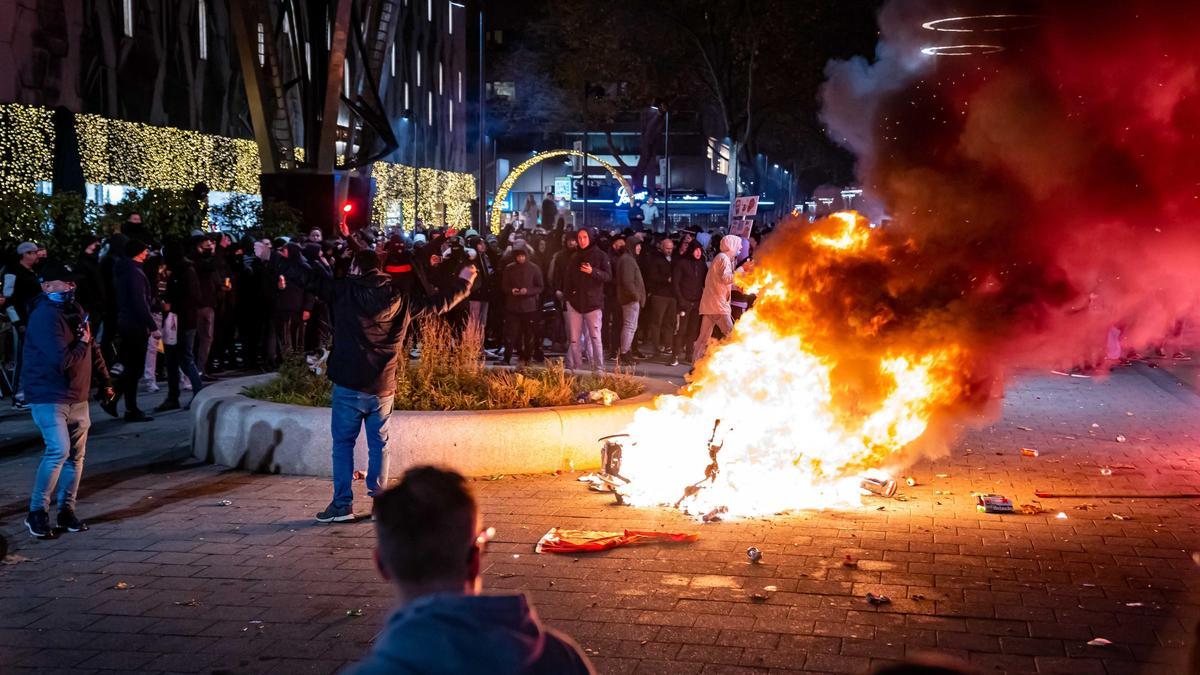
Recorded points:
(719, 282)
(585, 292)
(452, 634)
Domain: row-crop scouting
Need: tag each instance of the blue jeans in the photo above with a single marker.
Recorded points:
(181, 357)
(351, 410)
(64, 428)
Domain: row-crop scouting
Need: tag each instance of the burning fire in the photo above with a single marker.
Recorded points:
(799, 403)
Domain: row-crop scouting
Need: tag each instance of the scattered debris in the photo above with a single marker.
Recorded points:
(605, 397)
(918, 596)
(1117, 516)
(850, 561)
(770, 589)
(881, 487)
(1099, 642)
(1095, 425)
(754, 554)
(1029, 452)
(359, 474)
(562, 540)
(715, 515)
(1032, 509)
(758, 598)
(1061, 516)
(910, 481)
(1105, 471)
(1120, 438)
(1085, 507)
(190, 603)
(354, 612)
(878, 599)
(1024, 428)
(14, 559)
(993, 504)
(943, 475)
(122, 586)
(224, 502)
(1134, 604)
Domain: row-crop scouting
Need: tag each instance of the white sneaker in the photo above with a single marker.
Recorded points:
(185, 384)
(149, 385)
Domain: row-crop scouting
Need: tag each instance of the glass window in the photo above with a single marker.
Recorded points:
(127, 17)
(262, 45)
(202, 19)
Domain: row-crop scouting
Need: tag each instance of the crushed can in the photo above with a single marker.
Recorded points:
(1029, 452)
(754, 554)
(883, 488)
(993, 504)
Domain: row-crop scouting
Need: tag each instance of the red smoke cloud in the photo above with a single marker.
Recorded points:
(1041, 194)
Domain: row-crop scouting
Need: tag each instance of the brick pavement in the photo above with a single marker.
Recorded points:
(169, 580)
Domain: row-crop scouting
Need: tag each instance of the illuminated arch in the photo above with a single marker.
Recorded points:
(511, 179)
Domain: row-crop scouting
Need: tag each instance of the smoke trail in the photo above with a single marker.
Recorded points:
(1042, 194)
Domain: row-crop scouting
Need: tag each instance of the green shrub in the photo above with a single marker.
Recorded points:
(451, 374)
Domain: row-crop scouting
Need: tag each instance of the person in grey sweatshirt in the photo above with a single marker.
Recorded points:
(430, 546)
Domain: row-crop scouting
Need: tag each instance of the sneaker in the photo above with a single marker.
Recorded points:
(137, 416)
(20, 405)
(38, 524)
(68, 522)
(167, 405)
(1180, 356)
(185, 384)
(674, 361)
(335, 514)
(116, 369)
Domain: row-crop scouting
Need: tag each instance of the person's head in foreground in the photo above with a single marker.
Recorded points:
(430, 548)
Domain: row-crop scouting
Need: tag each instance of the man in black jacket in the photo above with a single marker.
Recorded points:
(135, 323)
(522, 286)
(583, 287)
(369, 323)
(659, 325)
(211, 279)
(60, 358)
(688, 278)
(20, 288)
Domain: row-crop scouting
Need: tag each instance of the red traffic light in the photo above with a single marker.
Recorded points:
(347, 207)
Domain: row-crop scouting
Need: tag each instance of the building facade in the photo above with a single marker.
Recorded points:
(159, 70)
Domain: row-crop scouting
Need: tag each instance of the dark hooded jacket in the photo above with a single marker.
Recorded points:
(57, 364)
(585, 292)
(450, 634)
(133, 297)
(688, 277)
(370, 320)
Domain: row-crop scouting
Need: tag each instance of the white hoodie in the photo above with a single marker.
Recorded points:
(719, 282)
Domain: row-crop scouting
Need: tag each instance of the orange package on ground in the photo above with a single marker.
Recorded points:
(561, 540)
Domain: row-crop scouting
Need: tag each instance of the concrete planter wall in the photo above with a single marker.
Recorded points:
(234, 430)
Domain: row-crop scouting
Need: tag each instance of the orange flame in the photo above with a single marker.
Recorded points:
(796, 427)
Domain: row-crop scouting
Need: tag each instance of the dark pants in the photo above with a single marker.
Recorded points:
(689, 329)
(660, 323)
(133, 358)
(284, 336)
(614, 322)
(521, 334)
(182, 357)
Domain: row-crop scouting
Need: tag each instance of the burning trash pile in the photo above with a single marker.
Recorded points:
(810, 394)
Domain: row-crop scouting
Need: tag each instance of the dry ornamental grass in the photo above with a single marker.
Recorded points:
(451, 374)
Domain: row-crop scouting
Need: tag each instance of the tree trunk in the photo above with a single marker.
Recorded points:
(158, 29)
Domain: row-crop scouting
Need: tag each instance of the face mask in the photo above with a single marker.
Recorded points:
(62, 296)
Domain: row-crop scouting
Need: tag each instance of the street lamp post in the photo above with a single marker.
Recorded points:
(667, 178)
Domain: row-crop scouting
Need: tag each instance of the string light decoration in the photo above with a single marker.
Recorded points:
(117, 152)
(511, 180)
(394, 184)
(26, 147)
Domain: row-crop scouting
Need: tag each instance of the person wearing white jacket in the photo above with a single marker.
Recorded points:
(714, 304)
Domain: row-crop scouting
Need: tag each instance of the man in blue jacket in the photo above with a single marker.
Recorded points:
(430, 548)
(59, 360)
